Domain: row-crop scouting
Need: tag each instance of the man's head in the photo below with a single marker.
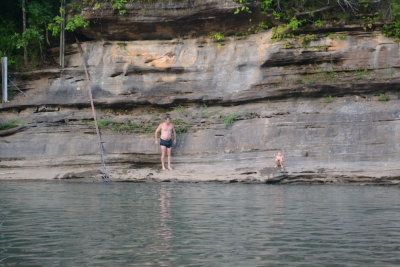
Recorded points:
(168, 119)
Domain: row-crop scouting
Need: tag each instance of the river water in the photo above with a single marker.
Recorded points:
(163, 224)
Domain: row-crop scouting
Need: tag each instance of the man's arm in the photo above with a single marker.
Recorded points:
(156, 134)
(173, 129)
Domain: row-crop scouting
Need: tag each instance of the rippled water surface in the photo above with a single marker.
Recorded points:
(125, 224)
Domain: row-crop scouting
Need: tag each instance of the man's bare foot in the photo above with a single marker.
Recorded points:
(164, 169)
(169, 168)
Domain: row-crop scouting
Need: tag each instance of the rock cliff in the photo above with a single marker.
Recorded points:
(330, 103)
(167, 19)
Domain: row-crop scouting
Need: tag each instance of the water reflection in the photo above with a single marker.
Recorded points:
(164, 232)
(279, 203)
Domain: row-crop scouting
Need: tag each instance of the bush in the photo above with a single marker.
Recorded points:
(319, 24)
(218, 37)
(10, 124)
(180, 109)
(104, 123)
(383, 97)
(180, 126)
(329, 99)
(146, 127)
(230, 119)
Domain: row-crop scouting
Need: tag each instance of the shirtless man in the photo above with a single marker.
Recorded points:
(279, 159)
(167, 131)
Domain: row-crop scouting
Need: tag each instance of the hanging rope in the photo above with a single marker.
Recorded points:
(104, 171)
(16, 87)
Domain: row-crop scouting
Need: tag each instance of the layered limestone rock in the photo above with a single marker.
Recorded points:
(166, 20)
(164, 73)
(236, 103)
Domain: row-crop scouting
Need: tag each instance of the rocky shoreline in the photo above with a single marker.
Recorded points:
(244, 172)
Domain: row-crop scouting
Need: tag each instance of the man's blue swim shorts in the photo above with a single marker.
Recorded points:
(166, 143)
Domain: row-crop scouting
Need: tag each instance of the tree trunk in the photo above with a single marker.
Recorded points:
(41, 51)
(47, 35)
(62, 35)
(23, 30)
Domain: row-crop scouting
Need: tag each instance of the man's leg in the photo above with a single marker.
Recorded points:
(169, 158)
(278, 163)
(163, 148)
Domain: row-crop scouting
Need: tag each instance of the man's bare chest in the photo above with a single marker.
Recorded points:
(166, 128)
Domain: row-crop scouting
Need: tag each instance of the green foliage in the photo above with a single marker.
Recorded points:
(280, 32)
(288, 45)
(362, 73)
(368, 22)
(393, 29)
(30, 36)
(331, 76)
(119, 5)
(395, 9)
(104, 123)
(147, 127)
(291, 16)
(329, 99)
(242, 8)
(12, 39)
(319, 23)
(76, 7)
(206, 113)
(180, 126)
(40, 12)
(128, 126)
(8, 39)
(144, 127)
(306, 39)
(336, 36)
(262, 26)
(230, 119)
(54, 27)
(77, 21)
(43, 17)
(286, 30)
(180, 109)
(122, 46)
(218, 37)
(383, 97)
(10, 124)
(294, 24)
(266, 5)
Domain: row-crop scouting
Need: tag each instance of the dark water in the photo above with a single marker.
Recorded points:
(120, 224)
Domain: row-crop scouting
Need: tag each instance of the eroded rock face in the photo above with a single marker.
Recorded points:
(318, 102)
(166, 20)
(162, 73)
(349, 139)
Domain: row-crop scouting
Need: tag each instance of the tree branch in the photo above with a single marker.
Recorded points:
(314, 11)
